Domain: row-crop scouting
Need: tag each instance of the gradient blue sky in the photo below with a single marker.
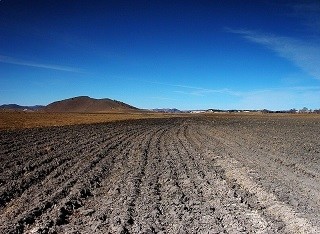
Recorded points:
(157, 54)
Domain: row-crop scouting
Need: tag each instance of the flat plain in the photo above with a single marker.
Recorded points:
(21, 120)
(214, 173)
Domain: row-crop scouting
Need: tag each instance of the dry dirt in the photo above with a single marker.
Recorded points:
(210, 174)
(21, 120)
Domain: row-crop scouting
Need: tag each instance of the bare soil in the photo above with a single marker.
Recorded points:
(20, 120)
(209, 174)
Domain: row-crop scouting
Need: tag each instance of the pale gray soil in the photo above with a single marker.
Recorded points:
(183, 175)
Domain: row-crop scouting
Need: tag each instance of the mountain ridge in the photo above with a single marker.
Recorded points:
(86, 104)
(16, 107)
(79, 104)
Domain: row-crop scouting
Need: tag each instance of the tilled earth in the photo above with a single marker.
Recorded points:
(180, 175)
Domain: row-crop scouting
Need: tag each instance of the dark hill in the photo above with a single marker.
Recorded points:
(15, 107)
(84, 104)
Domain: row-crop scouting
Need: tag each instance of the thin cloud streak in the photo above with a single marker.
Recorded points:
(304, 55)
(164, 98)
(280, 99)
(10, 60)
(197, 91)
(177, 85)
(200, 92)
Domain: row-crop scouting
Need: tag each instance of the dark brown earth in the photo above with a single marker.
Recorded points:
(238, 174)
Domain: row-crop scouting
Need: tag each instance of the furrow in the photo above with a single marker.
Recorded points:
(69, 182)
(39, 171)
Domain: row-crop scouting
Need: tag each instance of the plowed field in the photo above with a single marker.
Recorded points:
(215, 174)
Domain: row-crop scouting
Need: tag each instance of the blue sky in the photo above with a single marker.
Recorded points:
(162, 54)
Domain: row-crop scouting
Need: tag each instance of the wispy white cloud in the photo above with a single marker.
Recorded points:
(188, 93)
(281, 89)
(280, 98)
(10, 60)
(193, 90)
(204, 92)
(175, 85)
(164, 98)
(303, 54)
(270, 98)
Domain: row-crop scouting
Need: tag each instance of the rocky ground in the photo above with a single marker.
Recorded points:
(240, 174)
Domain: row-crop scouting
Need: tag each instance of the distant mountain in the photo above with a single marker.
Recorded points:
(85, 104)
(167, 110)
(15, 107)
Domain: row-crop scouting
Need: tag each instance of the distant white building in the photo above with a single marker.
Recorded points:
(197, 111)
